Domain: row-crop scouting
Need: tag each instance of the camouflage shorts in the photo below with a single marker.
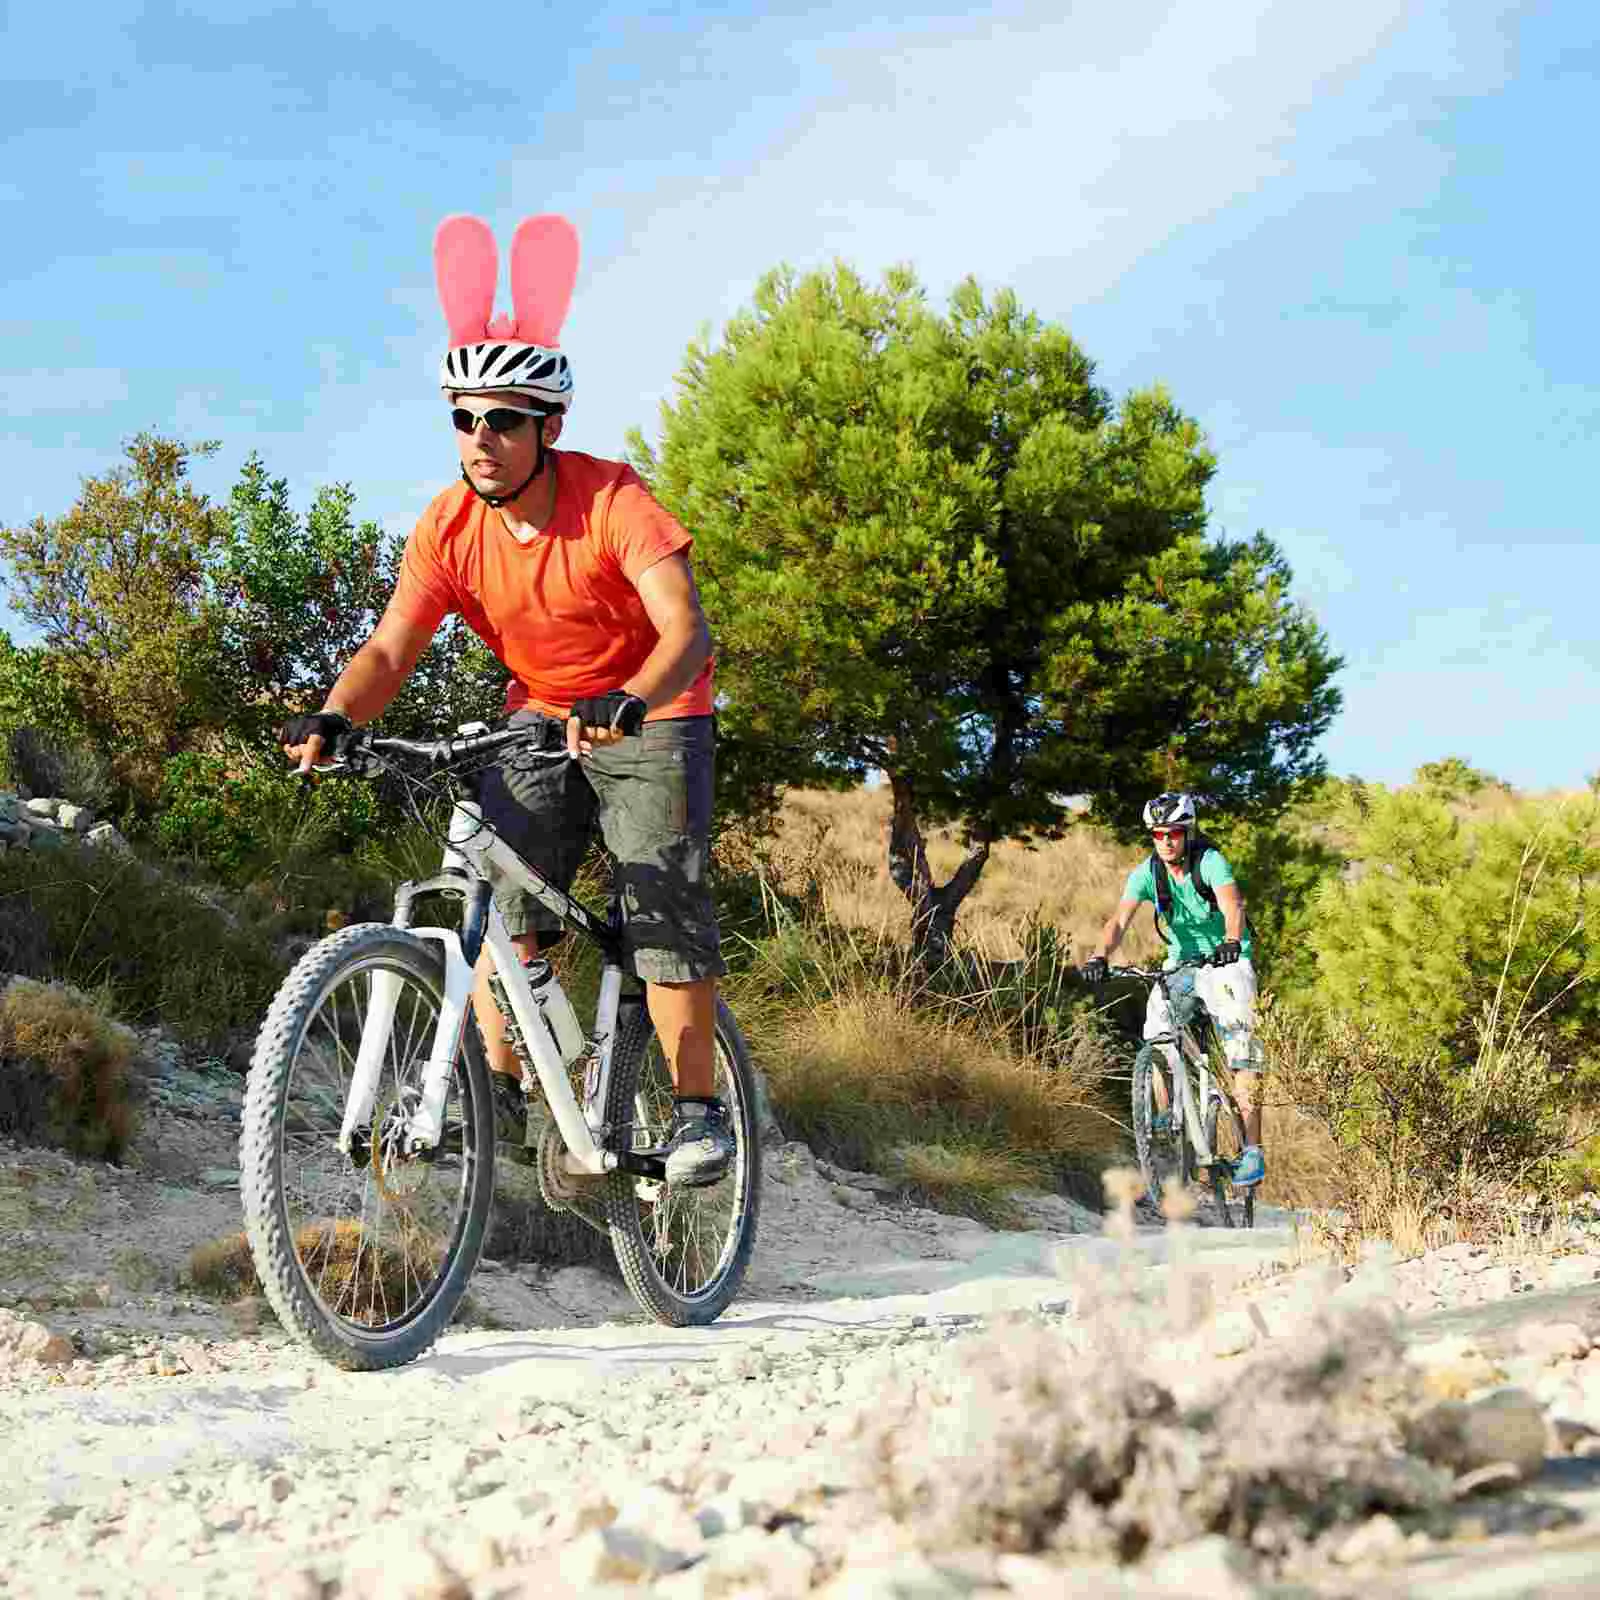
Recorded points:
(650, 799)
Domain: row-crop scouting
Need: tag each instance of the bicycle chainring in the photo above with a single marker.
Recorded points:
(566, 1191)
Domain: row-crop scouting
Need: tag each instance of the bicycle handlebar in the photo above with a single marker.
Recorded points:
(354, 747)
(1151, 973)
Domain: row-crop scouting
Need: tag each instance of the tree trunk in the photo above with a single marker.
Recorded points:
(933, 906)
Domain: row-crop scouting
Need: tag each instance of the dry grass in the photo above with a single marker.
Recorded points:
(223, 1268)
(1115, 1443)
(879, 1071)
(351, 1268)
(64, 1069)
(1302, 1156)
(834, 846)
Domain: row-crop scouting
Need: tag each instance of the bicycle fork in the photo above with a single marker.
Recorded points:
(425, 1121)
(1185, 1111)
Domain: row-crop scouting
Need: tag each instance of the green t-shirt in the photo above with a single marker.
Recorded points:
(1194, 928)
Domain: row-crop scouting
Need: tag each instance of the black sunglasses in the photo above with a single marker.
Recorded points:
(498, 419)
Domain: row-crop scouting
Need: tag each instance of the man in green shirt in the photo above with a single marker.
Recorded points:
(1204, 913)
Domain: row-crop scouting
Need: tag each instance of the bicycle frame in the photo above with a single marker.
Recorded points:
(473, 846)
(1188, 1046)
(1186, 1042)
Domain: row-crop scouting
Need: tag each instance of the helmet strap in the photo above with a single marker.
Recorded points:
(498, 500)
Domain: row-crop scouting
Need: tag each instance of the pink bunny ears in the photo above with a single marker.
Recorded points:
(544, 267)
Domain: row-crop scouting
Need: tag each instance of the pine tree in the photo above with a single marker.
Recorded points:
(931, 546)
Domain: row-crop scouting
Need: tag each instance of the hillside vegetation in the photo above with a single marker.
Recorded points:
(1429, 1010)
(1429, 1014)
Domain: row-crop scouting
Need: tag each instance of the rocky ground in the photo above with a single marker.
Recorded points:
(902, 1404)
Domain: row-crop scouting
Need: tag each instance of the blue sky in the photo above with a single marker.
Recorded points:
(1357, 246)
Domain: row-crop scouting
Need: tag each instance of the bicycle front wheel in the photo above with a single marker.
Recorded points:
(1160, 1140)
(364, 1253)
(1225, 1135)
(683, 1252)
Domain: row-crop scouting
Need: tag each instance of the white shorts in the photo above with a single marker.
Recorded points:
(1229, 994)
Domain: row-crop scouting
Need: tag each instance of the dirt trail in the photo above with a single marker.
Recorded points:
(562, 1445)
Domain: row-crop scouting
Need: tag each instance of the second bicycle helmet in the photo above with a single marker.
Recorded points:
(1171, 810)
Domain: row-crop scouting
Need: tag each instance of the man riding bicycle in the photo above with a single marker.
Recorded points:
(579, 582)
(1192, 887)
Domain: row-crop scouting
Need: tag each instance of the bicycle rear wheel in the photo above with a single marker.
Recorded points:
(683, 1252)
(364, 1254)
(1166, 1159)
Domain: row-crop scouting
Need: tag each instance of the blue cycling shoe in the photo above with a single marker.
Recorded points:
(1250, 1168)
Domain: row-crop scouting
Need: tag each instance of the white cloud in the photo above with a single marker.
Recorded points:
(1046, 151)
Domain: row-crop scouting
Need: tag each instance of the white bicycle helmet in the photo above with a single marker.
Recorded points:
(543, 374)
(1170, 810)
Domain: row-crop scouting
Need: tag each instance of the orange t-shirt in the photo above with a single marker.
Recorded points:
(561, 612)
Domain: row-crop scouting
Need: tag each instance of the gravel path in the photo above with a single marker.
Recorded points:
(893, 1409)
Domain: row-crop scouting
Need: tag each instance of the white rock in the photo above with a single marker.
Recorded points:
(1042, 1580)
(1212, 1568)
(41, 807)
(616, 1554)
(75, 819)
(728, 1512)
(907, 1577)
(1379, 1538)
(1551, 1342)
(1506, 1426)
(24, 1343)
(104, 836)
(395, 1565)
(1231, 1334)
(747, 1562)
(1566, 1272)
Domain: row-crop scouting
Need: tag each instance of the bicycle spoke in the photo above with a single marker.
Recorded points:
(691, 1231)
(372, 1228)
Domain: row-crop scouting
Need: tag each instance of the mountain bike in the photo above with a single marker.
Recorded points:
(367, 1145)
(1195, 1136)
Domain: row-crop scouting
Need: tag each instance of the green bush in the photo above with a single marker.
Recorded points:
(1440, 918)
(61, 769)
(40, 720)
(163, 950)
(1427, 1147)
(63, 1069)
(1280, 867)
(1454, 779)
(245, 817)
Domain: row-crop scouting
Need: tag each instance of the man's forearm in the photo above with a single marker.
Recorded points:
(672, 666)
(367, 684)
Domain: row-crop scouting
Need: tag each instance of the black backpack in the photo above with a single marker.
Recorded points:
(1197, 846)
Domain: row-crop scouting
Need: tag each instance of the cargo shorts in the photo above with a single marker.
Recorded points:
(650, 798)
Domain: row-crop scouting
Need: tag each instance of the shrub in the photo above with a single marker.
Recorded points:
(223, 1268)
(64, 1069)
(351, 1267)
(1441, 916)
(41, 765)
(162, 951)
(1023, 1442)
(1423, 1149)
(35, 695)
(1454, 779)
(243, 815)
(1281, 867)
